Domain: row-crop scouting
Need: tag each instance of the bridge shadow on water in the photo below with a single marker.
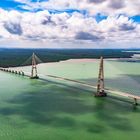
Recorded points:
(63, 106)
(123, 82)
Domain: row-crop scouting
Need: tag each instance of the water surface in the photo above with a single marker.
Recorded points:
(40, 110)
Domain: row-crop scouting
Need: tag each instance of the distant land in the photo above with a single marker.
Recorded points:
(16, 57)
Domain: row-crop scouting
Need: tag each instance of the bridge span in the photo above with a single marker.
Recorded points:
(108, 90)
(101, 90)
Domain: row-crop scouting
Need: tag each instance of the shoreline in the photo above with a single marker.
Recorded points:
(79, 60)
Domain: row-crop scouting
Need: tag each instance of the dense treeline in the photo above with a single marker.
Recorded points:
(16, 57)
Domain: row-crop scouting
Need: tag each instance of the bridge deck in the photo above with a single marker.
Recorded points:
(123, 94)
(128, 95)
(92, 86)
(120, 93)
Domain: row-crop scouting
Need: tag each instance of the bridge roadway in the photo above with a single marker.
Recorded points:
(108, 90)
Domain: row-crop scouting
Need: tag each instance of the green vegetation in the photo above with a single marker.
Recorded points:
(16, 57)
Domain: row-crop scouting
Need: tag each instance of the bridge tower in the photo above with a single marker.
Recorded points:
(100, 84)
(34, 68)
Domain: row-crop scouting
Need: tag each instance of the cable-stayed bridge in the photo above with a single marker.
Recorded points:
(101, 90)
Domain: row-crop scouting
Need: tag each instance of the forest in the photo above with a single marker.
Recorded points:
(16, 57)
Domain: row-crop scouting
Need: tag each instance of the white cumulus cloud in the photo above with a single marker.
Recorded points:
(43, 26)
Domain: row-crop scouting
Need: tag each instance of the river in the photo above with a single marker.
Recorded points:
(59, 110)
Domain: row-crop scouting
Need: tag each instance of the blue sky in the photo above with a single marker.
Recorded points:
(11, 4)
(71, 23)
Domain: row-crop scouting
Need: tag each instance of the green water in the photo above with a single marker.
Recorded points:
(41, 110)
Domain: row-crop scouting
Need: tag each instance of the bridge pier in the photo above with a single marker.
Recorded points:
(16, 72)
(19, 73)
(135, 102)
(22, 73)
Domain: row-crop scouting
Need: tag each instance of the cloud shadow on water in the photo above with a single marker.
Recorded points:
(60, 106)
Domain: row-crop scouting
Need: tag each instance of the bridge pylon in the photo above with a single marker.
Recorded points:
(34, 68)
(100, 84)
